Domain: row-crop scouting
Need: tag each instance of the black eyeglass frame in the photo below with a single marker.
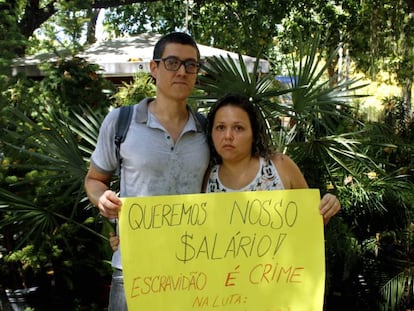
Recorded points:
(186, 63)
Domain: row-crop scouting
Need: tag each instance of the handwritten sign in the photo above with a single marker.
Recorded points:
(245, 251)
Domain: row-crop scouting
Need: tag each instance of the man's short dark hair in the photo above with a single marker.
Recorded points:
(174, 37)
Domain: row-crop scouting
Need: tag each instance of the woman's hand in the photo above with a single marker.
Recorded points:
(329, 206)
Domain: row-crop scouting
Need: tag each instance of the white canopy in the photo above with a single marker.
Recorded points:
(123, 57)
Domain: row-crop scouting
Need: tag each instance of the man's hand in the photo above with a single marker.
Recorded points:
(109, 204)
(113, 241)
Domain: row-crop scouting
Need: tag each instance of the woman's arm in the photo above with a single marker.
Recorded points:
(293, 178)
(289, 172)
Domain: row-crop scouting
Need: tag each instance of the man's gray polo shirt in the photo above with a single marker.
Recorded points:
(152, 163)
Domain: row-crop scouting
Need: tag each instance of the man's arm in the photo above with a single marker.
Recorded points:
(97, 189)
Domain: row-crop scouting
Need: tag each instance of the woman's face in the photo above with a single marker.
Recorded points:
(232, 133)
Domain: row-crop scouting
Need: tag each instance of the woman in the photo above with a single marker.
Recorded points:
(243, 158)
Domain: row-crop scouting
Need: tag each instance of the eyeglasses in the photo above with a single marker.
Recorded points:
(173, 63)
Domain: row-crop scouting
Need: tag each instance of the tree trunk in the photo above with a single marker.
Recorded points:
(91, 33)
(406, 95)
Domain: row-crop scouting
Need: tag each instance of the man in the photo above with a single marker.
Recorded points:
(165, 150)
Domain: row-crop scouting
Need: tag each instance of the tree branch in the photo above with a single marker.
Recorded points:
(101, 4)
(35, 16)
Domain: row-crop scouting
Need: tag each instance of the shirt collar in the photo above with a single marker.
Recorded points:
(142, 113)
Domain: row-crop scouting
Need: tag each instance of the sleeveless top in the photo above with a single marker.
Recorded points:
(267, 178)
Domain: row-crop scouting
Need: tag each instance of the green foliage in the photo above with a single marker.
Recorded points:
(33, 258)
(77, 84)
(10, 37)
(343, 253)
(378, 34)
(159, 17)
(131, 93)
(321, 118)
(395, 112)
(395, 291)
(224, 75)
(42, 201)
(218, 23)
(66, 28)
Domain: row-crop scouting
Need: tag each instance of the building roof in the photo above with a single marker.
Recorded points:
(124, 57)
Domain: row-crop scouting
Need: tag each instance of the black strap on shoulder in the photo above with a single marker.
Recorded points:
(124, 119)
(203, 121)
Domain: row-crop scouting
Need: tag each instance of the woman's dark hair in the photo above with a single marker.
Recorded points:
(261, 145)
(174, 37)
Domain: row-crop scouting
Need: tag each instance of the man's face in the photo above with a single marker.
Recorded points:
(178, 84)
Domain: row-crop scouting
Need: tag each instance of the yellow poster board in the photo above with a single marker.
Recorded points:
(244, 251)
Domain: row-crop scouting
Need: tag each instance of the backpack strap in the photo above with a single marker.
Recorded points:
(122, 126)
(203, 121)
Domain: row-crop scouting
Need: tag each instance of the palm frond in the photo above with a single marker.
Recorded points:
(224, 75)
(30, 221)
(316, 99)
(49, 146)
(396, 290)
(86, 126)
